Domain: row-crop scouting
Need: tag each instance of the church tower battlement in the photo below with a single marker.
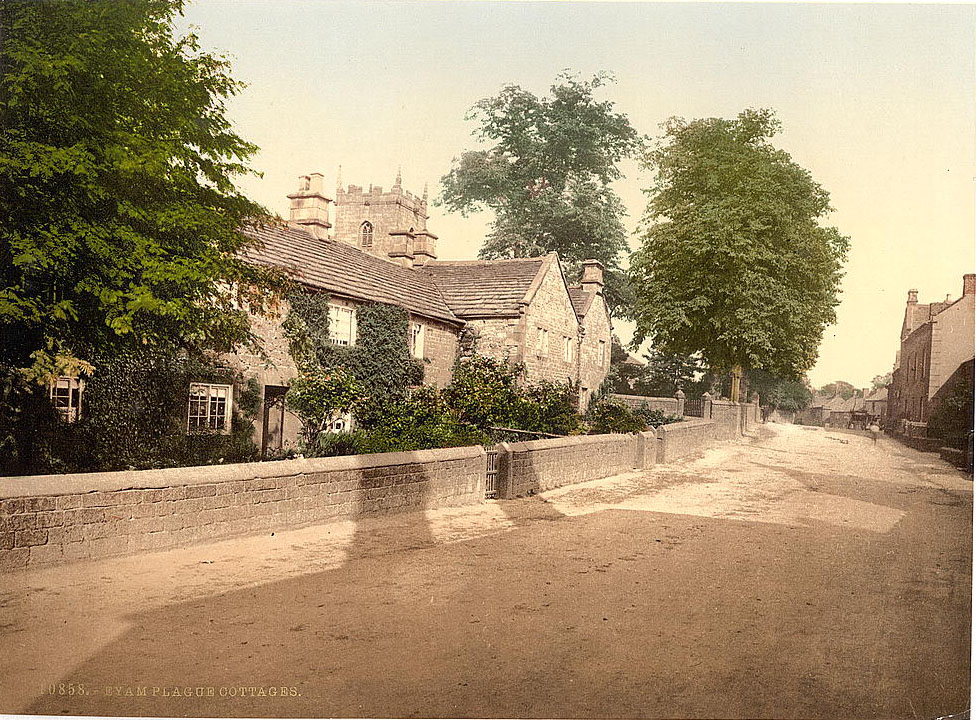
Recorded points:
(390, 224)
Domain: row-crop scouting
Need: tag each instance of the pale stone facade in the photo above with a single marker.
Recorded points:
(551, 324)
(936, 338)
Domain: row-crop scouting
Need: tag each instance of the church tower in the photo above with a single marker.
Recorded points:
(389, 224)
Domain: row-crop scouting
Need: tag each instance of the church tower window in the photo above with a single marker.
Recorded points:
(366, 234)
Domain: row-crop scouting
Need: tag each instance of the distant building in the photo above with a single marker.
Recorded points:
(936, 339)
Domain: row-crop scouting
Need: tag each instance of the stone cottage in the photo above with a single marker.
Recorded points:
(936, 340)
(379, 250)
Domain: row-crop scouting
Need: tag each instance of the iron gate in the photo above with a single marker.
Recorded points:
(491, 474)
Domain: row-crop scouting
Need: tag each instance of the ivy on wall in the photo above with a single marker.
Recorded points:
(133, 415)
(376, 372)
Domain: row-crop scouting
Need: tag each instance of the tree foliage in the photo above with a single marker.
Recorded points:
(734, 262)
(119, 217)
(547, 177)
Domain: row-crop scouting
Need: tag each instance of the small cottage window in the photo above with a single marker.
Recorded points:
(417, 340)
(568, 349)
(603, 353)
(542, 342)
(366, 234)
(210, 408)
(342, 325)
(66, 397)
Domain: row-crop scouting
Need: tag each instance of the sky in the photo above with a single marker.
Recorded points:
(876, 101)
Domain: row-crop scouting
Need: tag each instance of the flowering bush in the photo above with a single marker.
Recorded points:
(318, 396)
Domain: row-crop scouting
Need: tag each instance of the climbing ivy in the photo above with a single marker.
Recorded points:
(376, 373)
(133, 415)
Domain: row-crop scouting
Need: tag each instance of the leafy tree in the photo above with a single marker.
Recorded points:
(665, 374)
(839, 387)
(734, 262)
(547, 177)
(881, 381)
(119, 217)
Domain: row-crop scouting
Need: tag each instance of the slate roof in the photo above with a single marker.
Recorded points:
(485, 288)
(581, 300)
(345, 270)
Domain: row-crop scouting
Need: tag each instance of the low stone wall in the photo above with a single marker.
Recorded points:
(728, 419)
(689, 437)
(58, 518)
(666, 405)
(525, 468)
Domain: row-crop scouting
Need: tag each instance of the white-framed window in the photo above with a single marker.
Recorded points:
(603, 353)
(568, 349)
(341, 423)
(542, 342)
(417, 333)
(66, 397)
(342, 325)
(209, 408)
(366, 234)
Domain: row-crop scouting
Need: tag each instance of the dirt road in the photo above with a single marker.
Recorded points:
(801, 574)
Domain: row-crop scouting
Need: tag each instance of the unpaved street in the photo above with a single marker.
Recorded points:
(801, 573)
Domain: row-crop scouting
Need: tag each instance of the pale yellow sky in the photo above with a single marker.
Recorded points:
(876, 100)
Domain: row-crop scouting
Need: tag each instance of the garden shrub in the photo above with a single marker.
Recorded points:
(133, 415)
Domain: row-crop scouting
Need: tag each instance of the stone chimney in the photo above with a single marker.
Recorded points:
(969, 284)
(310, 207)
(913, 297)
(592, 280)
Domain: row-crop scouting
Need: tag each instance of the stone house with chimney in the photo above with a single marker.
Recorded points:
(936, 339)
(379, 250)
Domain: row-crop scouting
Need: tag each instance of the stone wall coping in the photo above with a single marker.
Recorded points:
(568, 441)
(684, 425)
(671, 399)
(70, 484)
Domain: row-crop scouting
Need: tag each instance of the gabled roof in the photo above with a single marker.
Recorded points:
(487, 288)
(345, 270)
(581, 300)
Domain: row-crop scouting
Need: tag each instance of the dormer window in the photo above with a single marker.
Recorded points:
(366, 234)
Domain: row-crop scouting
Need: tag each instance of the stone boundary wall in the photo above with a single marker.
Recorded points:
(689, 437)
(52, 519)
(525, 468)
(664, 404)
(728, 419)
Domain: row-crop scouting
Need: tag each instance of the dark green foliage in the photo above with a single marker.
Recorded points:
(379, 362)
(606, 415)
(655, 418)
(839, 387)
(547, 177)
(484, 392)
(550, 408)
(306, 327)
(735, 265)
(779, 394)
(119, 218)
(134, 415)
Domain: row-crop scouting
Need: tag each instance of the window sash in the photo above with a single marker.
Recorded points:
(65, 395)
(209, 408)
(342, 325)
(417, 332)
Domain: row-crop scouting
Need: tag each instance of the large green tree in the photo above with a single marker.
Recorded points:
(735, 263)
(547, 177)
(119, 216)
